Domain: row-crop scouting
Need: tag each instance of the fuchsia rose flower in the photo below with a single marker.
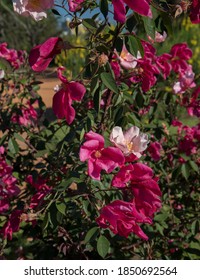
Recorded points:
(139, 6)
(122, 218)
(8, 183)
(28, 115)
(144, 187)
(195, 11)
(129, 142)
(34, 8)
(75, 5)
(12, 225)
(193, 108)
(15, 58)
(154, 150)
(99, 157)
(41, 55)
(180, 54)
(42, 190)
(62, 100)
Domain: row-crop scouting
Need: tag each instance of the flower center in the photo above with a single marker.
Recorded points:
(97, 154)
(130, 146)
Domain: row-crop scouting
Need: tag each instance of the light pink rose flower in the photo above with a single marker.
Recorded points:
(34, 8)
(127, 60)
(129, 142)
(159, 38)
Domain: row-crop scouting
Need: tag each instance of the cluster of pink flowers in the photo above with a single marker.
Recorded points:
(8, 190)
(15, 58)
(41, 188)
(189, 138)
(28, 115)
(193, 103)
(154, 150)
(123, 217)
(8, 183)
(145, 70)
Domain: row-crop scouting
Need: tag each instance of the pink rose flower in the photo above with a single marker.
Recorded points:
(75, 5)
(195, 11)
(129, 142)
(12, 225)
(98, 156)
(154, 150)
(41, 55)
(122, 218)
(34, 8)
(127, 60)
(159, 38)
(144, 187)
(62, 100)
(139, 6)
(186, 81)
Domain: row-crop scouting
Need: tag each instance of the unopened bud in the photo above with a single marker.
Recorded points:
(102, 59)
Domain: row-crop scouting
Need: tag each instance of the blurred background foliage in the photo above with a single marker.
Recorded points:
(24, 33)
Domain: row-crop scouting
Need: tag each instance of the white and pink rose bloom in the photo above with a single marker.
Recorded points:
(127, 60)
(34, 8)
(129, 142)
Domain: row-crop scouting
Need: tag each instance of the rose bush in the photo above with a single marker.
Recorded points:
(116, 174)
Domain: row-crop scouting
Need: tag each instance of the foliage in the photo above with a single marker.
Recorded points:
(80, 187)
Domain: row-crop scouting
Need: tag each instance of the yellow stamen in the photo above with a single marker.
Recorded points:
(97, 154)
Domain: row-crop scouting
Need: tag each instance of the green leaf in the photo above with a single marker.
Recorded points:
(89, 23)
(109, 81)
(97, 100)
(149, 26)
(104, 7)
(131, 45)
(195, 227)
(185, 169)
(103, 246)
(119, 44)
(13, 146)
(90, 234)
(61, 207)
(5, 65)
(19, 137)
(194, 166)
